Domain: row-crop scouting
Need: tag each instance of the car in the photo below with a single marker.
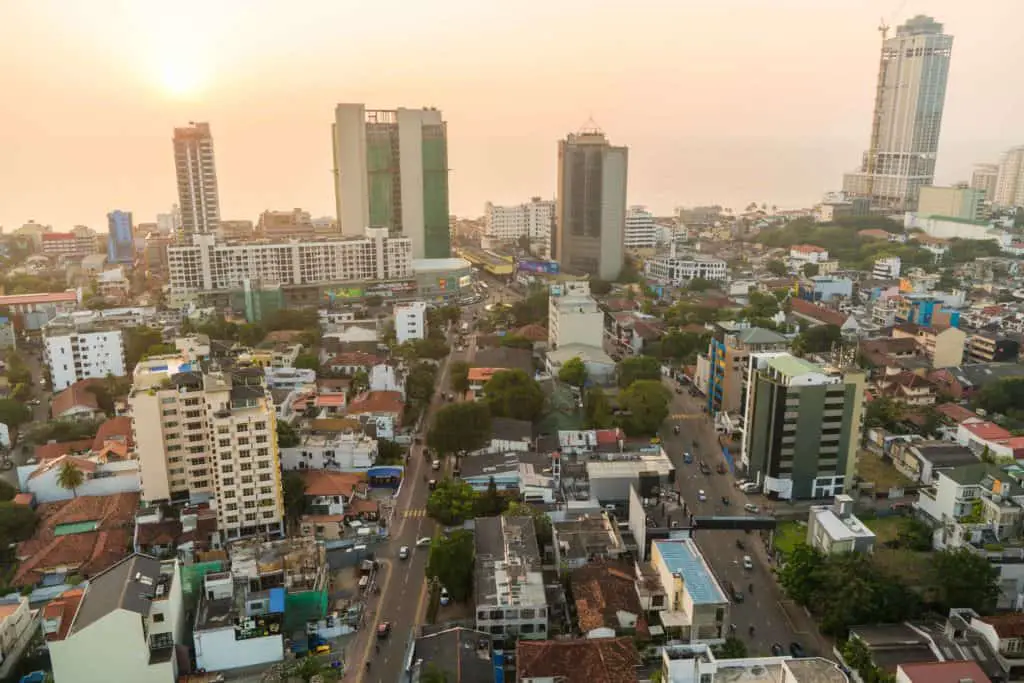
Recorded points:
(701, 496)
(747, 562)
(740, 545)
(751, 508)
(725, 501)
(435, 465)
(749, 487)
(384, 629)
(403, 552)
(426, 540)
(688, 457)
(432, 484)
(35, 402)
(777, 649)
(445, 598)
(796, 650)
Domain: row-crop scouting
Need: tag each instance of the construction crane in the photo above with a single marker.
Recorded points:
(876, 121)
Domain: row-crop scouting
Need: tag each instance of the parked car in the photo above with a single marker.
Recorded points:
(701, 496)
(796, 649)
(435, 465)
(688, 457)
(734, 592)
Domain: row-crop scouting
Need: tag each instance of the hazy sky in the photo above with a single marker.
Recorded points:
(722, 101)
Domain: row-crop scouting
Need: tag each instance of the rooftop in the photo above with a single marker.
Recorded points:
(463, 654)
(63, 610)
(131, 584)
(754, 336)
(944, 672)
(792, 366)
(330, 483)
(602, 591)
(682, 557)
(586, 536)
(839, 528)
(598, 660)
(484, 464)
(75, 396)
(508, 562)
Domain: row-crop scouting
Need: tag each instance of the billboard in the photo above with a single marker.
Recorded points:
(343, 293)
(543, 267)
(391, 288)
(465, 281)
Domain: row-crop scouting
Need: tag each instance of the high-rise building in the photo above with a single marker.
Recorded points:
(410, 321)
(640, 231)
(282, 225)
(208, 435)
(984, 179)
(951, 202)
(1009, 190)
(802, 426)
(197, 179)
(391, 171)
(169, 223)
(728, 351)
(590, 215)
(533, 220)
(909, 99)
(120, 243)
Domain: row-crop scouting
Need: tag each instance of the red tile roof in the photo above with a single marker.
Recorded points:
(944, 672)
(57, 236)
(378, 402)
(355, 358)
(599, 660)
(328, 483)
(815, 312)
(63, 609)
(807, 249)
(75, 396)
(115, 429)
(23, 499)
(602, 591)
(956, 413)
(608, 436)
(50, 451)
(1007, 625)
(38, 298)
(533, 332)
(82, 464)
(986, 431)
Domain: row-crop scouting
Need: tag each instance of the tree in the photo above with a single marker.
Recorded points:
(574, 372)
(62, 430)
(360, 383)
(597, 409)
(523, 242)
(777, 268)
(882, 412)
(801, 576)
(137, 343)
(646, 403)
(515, 341)
(458, 373)
(307, 361)
(600, 287)
(432, 673)
(514, 394)
(459, 428)
(811, 269)
(17, 523)
(732, 648)
(532, 309)
(14, 413)
(451, 502)
(69, 477)
(541, 521)
(637, 368)
(107, 390)
(683, 346)
(962, 578)
(451, 563)
(294, 491)
(420, 382)
(491, 502)
(287, 437)
(915, 534)
(817, 339)
(700, 284)
(389, 452)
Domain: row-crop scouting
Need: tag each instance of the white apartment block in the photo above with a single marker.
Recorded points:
(196, 173)
(206, 266)
(82, 349)
(533, 219)
(887, 268)
(677, 270)
(573, 316)
(337, 453)
(510, 598)
(208, 436)
(411, 321)
(641, 232)
(984, 178)
(1009, 185)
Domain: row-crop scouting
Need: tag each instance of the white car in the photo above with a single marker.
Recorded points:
(403, 552)
(747, 562)
(751, 508)
(445, 598)
(423, 541)
(435, 465)
(701, 496)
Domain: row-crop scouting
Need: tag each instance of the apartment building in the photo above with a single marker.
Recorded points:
(640, 231)
(697, 607)
(678, 270)
(68, 244)
(285, 225)
(77, 348)
(235, 230)
(951, 202)
(533, 220)
(1009, 184)
(984, 178)
(510, 598)
(802, 426)
(205, 266)
(129, 622)
(991, 347)
(208, 436)
(971, 505)
(573, 316)
(944, 347)
(887, 268)
(834, 529)
(727, 358)
(411, 321)
(196, 173)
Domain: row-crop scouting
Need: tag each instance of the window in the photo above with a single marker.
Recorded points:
(526, 628)
(158, 618)
(242, 428)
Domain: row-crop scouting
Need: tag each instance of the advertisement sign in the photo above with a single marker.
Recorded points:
(342, 293)
(465, 281)
(543, 267)
(391, 288)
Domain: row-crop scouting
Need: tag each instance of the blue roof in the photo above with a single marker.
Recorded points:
(683, 558)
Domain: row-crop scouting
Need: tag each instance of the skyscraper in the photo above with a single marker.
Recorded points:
(197, 179)
(909, 99)
(1009, 185)
(120, 243)
(590, 212)
(391, 171)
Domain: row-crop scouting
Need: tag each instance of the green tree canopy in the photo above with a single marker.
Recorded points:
(308, 361)
(514, 394)
(962, 578)
(287, 437)
(777, 268)
(421, 382)
(882, 412)
(14, 413)
(458, 372)
(1005, 396)
(600, 287)
(574, 372)
(17, 523)
(732, 648)
(451, 502)
(515, 341)
(459, 428)
(389, 452)
(294, 492)
(683, 346)
(451, 563)
(531, 310)
(597, 409)
(817, 339)
(638, 367)
(137, 343)
(69, 477)
(646, 403)
(811, 269)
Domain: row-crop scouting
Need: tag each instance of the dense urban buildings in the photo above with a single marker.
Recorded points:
(678, 270)
(907, 119)
(590, 214)
(77, 244)
(640, 230)
(198, 197)
(391, 171)
(120, 241)
(1009, 189)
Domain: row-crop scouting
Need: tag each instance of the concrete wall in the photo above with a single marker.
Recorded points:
(217, 650)
(115, 477)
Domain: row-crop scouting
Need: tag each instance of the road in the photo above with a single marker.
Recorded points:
(40, 413)
(763, 608)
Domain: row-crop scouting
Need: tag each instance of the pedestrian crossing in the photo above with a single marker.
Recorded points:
(687, 416)
(414, 512)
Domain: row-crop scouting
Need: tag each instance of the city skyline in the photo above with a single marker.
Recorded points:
(781, 131)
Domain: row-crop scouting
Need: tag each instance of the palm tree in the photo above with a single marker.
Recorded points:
(70, 477)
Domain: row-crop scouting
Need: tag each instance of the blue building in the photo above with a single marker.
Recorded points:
(822, 288)
(120, 245)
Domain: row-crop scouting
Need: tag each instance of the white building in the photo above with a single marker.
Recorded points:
(99, 478)
(949, 228)
(289, 378)
(678, 270)
(800, 254)
(127, 626)
(411, 321)
(77, 349)
(641, 232)
(510, 597)
(197, 179)
(333, 452)
(984, 178)
(573, 316)
(208, 437)
(534, 220)
(887, 268)
(236, 627)
(16, 618)
(834, 529)
(205, 266)
(1009, 184)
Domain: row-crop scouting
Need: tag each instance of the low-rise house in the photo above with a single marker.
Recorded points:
(586, 539)
(16, 621)
(351, 362)
(1002, 635)
(607, 604)
(504, 358)
(697, 663)
(129, 626)
(907, 387)
(384, 407)
(971, 505)
(835, 529)
(920, 460)
(193, 531)
(509, 586)
(57, 615)
(941, 672)
(508, 435)
(531, 475)
(76, 402)
(236, 627)
(943, 346)
(101, 476)
(289, 378)
(599, 660)
(980, 436)
(698, 609)
(600, 366)
(333, 500)
(815, 314)
(335, 451)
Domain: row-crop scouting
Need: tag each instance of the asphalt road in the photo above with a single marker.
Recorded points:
(761, 608)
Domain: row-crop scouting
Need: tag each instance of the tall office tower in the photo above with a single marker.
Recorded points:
(197, 180)
(909, 98)
(391, 171)
(1009, 190)
(984, 178)
(590, 211)
(208, 435)
(120, 242)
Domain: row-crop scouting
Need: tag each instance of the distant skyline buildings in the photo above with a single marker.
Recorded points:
(1009, 184)
(120, 241)
(983, 178)
(907, 119)
(391, 171)
(196, 172)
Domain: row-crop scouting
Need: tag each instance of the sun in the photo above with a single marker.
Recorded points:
(180, 79)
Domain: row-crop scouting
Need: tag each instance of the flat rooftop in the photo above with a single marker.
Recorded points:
(683, 557)
(840, 529)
